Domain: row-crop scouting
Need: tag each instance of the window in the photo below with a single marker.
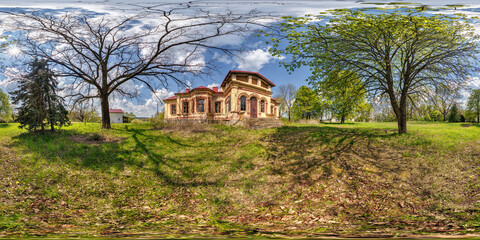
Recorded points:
(173, 109)
(218, 107)
(229, 106)
(201, 105)
(262, 106)
(243, 103)
(185, 107)
(254, 81)
(272, 110)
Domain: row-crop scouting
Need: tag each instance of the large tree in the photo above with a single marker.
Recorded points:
(286, 95)
(473, 103)
(395, 53)
(104, 55)
(39, 101)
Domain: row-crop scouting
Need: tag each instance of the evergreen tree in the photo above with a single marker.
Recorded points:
(5, 108)
(454, 116)
(37, 94)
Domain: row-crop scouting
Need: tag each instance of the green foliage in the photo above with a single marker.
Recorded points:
(473, 103)
(37, 94)
(382, 48)
(345, 93)
(5, 108)
(454, 115)
(307, 104)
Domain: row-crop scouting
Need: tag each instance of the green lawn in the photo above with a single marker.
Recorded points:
(356, 178)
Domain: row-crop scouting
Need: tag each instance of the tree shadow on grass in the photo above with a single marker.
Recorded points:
(115, 155)
(172, 170)
(4, 125)
(302, 150)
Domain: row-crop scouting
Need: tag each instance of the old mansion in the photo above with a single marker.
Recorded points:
(242, 95)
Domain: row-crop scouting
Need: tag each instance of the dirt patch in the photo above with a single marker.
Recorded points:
(95, 139)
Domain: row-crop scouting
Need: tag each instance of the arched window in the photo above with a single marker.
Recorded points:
(243, 103)
(201, 105)
(262, 106)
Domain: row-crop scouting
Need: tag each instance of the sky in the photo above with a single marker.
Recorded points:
(255, 56)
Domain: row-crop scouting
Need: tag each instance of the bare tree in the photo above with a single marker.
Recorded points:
(83, 111)
(286, 97)
(103, 56)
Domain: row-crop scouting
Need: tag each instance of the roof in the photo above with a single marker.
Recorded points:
(170, 98)
(115, 111)
(273, 99)
(202, 88)
(247, 72)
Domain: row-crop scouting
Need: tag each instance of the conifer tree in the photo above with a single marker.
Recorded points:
(454, 115)
(37, 94)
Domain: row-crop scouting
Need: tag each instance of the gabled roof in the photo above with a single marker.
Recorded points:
(170, 98)
(247, 72)
(115, 110)
(202, 88)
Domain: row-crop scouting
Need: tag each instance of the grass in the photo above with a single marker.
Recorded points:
(351, 179)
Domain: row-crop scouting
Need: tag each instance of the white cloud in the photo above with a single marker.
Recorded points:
(255, 59)
(213, 85)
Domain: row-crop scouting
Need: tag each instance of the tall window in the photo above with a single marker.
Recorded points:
(200, 105)
(218, 107)
(185, 107)
(262, 106)
(173, 109)
(243, 103)
(229, 105)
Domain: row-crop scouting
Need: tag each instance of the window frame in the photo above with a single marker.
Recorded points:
(186, 104)
(173, 109)
(243, 103)
(201, 106)
(219, 104)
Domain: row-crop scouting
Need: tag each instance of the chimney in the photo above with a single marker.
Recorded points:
(187, 90)
(215, 89)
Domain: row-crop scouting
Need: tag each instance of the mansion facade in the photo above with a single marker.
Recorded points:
(241, 95)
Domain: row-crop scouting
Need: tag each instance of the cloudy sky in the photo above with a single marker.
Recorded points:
(254, 58)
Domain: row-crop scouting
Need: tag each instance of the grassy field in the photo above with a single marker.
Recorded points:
(356, 179)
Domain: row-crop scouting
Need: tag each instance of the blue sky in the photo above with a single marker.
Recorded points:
(256, 56)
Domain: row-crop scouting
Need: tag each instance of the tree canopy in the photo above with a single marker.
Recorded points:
(306, 104)
(344, 92)
(395, 53)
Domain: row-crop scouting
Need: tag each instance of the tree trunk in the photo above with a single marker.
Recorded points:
(342, 120)
(105, 112)
(289, 115)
